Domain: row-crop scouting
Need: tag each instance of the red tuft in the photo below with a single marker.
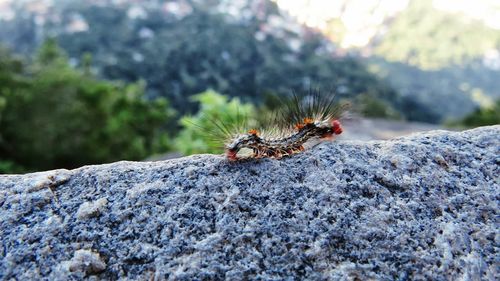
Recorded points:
(231, 155)
(336, 127)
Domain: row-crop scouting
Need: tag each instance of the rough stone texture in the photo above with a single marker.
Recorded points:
(424, 207)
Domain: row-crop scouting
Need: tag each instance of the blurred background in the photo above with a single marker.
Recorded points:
(96, 81)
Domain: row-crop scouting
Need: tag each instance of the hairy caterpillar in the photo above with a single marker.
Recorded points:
(302, 118)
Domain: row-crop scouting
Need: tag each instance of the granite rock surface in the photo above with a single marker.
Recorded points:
(423, 207)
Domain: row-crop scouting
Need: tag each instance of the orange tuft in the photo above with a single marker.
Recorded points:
(299, 126)
(308, 121)
(253, 132)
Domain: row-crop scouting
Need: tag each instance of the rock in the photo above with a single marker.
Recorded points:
(91, 209)
(423, 207)
(86, 261)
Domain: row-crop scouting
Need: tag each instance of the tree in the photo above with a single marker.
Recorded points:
(180, 56)
(483, 116)
(55, 116)
(202, 132)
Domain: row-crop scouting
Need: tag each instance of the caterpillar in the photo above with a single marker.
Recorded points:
(301, 119)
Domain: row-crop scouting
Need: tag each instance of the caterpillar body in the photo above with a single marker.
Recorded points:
(301, 119)
(278, 148)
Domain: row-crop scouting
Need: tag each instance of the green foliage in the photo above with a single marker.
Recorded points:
(436, 95)
(55, 116)
(431, 57)
(483, 116)
(431, 39)
(207, 49)
(9, 167)
(435, 60)
(369, 106)
(200, 133)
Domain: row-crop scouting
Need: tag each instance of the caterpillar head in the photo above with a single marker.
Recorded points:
(337, 127)
(327, 129)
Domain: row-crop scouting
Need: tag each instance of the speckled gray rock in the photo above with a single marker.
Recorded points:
(424, 207)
